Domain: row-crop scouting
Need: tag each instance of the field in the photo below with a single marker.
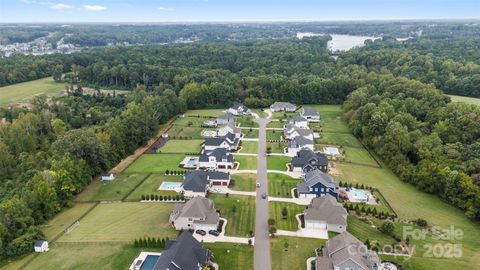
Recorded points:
(249, 147)
(155, 163)
(247, 121)
(277, 124)
(182, 146)
(273, 134)
(359, 156)
(206, 112)
(241, 218)
(340, 139)
(247, 162)
(64, 219)
(150, 186)
(280, 185)
(290, 223)
(278, 163)
(244, 181)
(231, 256)
(277, 147)
(295, 257)
(189, 122)
(123, 222)
(115, 190)
(469, 100)
(253, 133)
(22, 92)
(182, 131)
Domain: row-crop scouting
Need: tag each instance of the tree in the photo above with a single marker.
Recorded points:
(234, 208)
(57, 72)
(387, 228)
(285, 245)
(284, 213)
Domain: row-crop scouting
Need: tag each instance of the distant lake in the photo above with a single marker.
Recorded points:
(340, 42)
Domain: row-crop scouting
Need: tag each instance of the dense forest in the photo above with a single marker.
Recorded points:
(50, 152)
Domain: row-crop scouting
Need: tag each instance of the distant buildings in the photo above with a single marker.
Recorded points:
(40, 246)
(310, 114)
(224, 119)
(283, 107)
(239, 109)
(298, 121)
(229, 142)
(108, 177)
(291, 132)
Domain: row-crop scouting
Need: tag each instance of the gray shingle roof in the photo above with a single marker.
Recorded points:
(219, 154)
(195, 181)
(297, 118)
(314, 177)
(309, 111)
(283, 105)
(198, 207)
(326, 208)
(306, 156)
(183, 253)
(299, 142)
(39, 243)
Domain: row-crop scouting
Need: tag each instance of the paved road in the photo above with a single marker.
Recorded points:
(262, 239)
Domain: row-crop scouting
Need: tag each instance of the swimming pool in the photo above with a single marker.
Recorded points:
(149, 262)
(169, 185)
(359, 194)
(331, 151)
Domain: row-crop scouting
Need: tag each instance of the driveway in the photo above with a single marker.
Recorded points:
(299, 201)
(262, 238)
(224, 190)
(208, 238)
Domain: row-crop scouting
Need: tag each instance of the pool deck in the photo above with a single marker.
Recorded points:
(141, 257)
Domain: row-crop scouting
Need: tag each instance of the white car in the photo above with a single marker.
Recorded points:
(258, 184)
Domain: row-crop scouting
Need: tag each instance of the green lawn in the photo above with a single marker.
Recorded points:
(182, 131)
(189, 121)
(280, 185)
(241, 220)
(359, 156)
(291, 222)
(469, 100)
(181, 146)
(205, 112)
(123, 222)
(249, 147)
(155, 163)
(64, 219)
(338, 139)
(247, 121)
(260, 113)
(150, 186)
(22, 92)
(247, 162)
(115, 190)
(244, 181)
(277, 124)
(363, 231)
(253, 133)
(295, 257)
(277, 147)
(231, 256)
(274, 134)
(283, 115)
(278, 162)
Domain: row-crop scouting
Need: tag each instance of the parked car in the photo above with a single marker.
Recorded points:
(201, 232)
(214, 232)
(258, 184)
(264, 195)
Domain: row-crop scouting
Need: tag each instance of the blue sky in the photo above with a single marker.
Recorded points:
(231, 10)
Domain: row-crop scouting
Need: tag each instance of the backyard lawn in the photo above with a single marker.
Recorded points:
(247, 162)
(190, 121)
(155, 163)
(340, 139)
(278, 163)
(22, 92)
(277, 124)
(249, 147)
(151, 185)
(250, 133)
(239, 212)
(277, 147)
(359, 156)
(244, 181)
(297, 253)
(247, 121)
(205, 112)
(114, 190)
(182, 131)
(273, 134)
(231, 256)
(64, 219)
(280, 185)
(290, 223)
(123, 222)
(181, 146)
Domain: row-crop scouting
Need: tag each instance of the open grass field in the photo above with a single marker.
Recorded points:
(274, 134)
(123, 222)
(469, 100)
(205, 112)
(241, 218)
(150, 186)
(280, 185)
(358, 156)
(182, 131)
(339, 139)
(64, 219)
(155, 163)
(278, 163)
(283, 115)
(250, 133)
(295, 257)
(247, 121)
(260, 113)
(231, 256)
(115, 190)
(189, 121)
(247, 162)
(364, 231)
(22, 92)
(277, 124)
(290, 223)
(17, 263)
(244, 181)
(277, 147)
(182, 146)
(249, 147)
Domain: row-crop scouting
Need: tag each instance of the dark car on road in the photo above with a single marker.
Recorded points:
(214, 232)
(264, 195)
(201, 232)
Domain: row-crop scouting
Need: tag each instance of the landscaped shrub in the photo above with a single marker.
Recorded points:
(160, 197)
(143, 197)
(387, 228)
(156, 197)
(421, 222)
(152, 197)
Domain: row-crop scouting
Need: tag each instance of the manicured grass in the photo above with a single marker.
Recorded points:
(291, 222)
(247, 121)
(123, 222)
(274, 134)
(182, 146)
(244, 181)
(150, 186)
(155, 163)
(359, 156)
(330, 119)
(206, 112)
(247, 162)
(283, 115)
(295, 257)
(241, 220)
(231, 256)
(182, 131)
(76, 256)
(250, 133)
(249, 147)
(64, 219)
(22, 92)
(363, 231)
(114, 190)
(278, 162)
(15, 264)
(469, 100)
(190, 121)
(277, 147)
(338, 139)
(277, 124)
(260, 113)
(280, 185)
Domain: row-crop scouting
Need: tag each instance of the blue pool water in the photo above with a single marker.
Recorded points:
(170, 185)
(359, 194)
(149, 262)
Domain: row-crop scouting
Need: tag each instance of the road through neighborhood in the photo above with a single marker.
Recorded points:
(262, 240)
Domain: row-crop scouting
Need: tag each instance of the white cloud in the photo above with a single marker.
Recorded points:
(95, 7)
(165, 8)
(61, 6)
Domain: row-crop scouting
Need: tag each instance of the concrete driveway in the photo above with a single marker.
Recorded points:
(208, 238)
